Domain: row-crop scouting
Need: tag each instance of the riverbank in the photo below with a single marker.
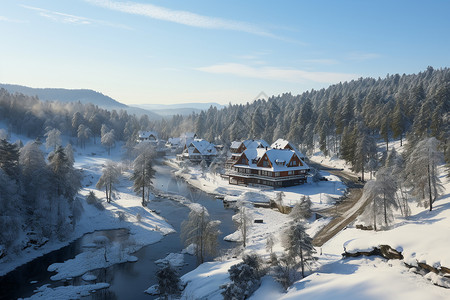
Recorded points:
(144, 226)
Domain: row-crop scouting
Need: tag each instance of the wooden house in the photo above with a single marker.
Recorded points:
(268, 166)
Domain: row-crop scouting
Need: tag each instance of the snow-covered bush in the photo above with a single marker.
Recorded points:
(122, 216)
(245, 278)
(93, 200)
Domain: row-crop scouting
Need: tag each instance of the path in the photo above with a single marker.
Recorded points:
(343, 213)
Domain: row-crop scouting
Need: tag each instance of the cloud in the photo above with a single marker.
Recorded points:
(71, 19)
(322, 61)
(180, 17)
(362, 56)
(280, 74)
(5, 19)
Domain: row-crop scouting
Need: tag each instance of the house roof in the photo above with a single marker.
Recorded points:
(146, 134)
(282, 143)
(279, 159)
(249, 144)
(235, 144)
(203, 146)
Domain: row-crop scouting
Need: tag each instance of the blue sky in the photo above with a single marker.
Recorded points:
(164, 52)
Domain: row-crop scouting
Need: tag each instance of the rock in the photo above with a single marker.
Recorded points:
(383, 250)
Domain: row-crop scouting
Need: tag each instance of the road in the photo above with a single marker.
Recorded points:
(346, 211)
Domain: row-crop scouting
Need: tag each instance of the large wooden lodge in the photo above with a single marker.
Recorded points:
(254, 162)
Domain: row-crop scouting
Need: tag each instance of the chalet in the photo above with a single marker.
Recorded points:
(147, 136)
(198, 150)
(284, 144)
(237, 148)
(176, 145)
(268, 166)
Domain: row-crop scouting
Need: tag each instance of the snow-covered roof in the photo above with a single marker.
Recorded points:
(249, 144)
(279, 159)
(282, 144)
(146, 134)
(235, 144)
(174, 141)
(203, 146)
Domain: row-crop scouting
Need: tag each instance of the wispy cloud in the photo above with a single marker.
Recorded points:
(71, 19)
(363, 56)
(180, 17)
(322, 61)
(5, 19)
(280, 74)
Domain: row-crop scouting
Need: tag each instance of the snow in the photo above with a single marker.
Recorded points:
(150, 229)
(364, 278)
(174, 259)
(89, 277)
(204, 282)
(67, 292)
(422, 238)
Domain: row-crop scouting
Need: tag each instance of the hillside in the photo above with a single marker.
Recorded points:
(77, 95)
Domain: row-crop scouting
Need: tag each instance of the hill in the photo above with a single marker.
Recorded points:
(179, 109)
(77, 95)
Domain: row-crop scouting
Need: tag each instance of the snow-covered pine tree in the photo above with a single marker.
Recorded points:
(298, 245)
(301, 210)
(143, 171)
(421, 171)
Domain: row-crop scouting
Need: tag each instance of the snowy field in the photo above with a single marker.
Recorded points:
(422, 238)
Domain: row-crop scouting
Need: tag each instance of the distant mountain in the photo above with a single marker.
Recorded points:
(75, 95)
(180, 109)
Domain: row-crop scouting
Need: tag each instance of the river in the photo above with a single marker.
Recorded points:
(127, 280)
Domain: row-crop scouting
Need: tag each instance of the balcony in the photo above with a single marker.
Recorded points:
(270, 178)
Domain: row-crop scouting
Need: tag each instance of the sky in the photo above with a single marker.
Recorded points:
(165, 52)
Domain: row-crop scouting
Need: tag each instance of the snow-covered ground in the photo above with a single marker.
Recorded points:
(422, 238)
(144, 226)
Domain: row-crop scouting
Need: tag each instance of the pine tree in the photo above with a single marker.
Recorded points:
(168, 281)
(143, 171)
(298, 244)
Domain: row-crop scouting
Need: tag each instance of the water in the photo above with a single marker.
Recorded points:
(127, 280)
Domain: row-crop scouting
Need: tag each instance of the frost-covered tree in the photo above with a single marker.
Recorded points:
(53, 139)
(9, 159)
(298, 245)
(201, 231)
(168, 281)
(110, 177)
(244, 221)
(301, 210)
(143, 171)
(83, 134)
(108, 139)
(10, 215)
(380, 194)
(421, 171)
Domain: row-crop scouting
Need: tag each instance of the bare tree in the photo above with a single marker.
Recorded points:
(244, 221)
(199, 230)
